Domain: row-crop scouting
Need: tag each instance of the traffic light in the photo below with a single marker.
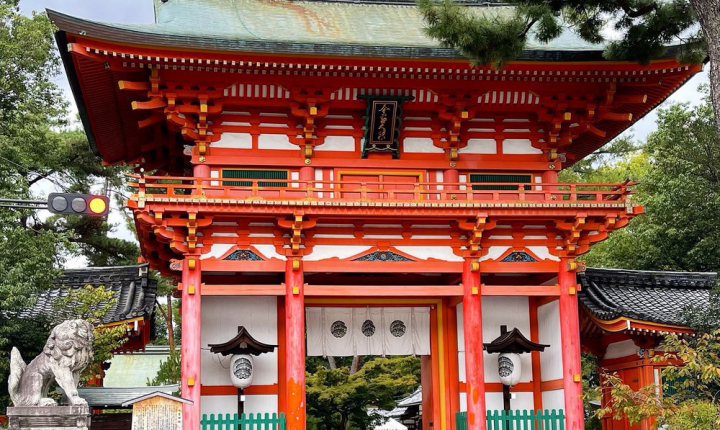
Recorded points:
(78, 204)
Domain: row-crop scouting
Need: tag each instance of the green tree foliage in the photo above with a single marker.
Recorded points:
(644, 28)
(169, 371)
(92, 304)
(678, 170)
(338, 399)
(688, 398)
(496, 38)
(39, 149)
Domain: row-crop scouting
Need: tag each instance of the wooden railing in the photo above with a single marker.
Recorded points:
(518, 420)
(160, 187)
(243, 422)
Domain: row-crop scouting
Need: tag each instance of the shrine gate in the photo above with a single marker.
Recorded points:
(300, 158)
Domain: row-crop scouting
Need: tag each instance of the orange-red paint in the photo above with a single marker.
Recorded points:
(231, 390)
(535, 355)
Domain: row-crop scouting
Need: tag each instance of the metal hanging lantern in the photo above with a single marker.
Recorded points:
(241, 348)
(509, 345)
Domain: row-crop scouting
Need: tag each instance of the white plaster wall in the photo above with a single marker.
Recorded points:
(221, 317)
(549, 334)
(519, 146)
(494, 252)
(480, 146)
(554, 399)
(621, 349)
(269, 251)
(228, 404)
(523, 400)
(511, 311)
(337, 143)
(217, 250)
(275, 141)
(542, 252)
(234, 140)
(322, 252)
(444, 253)
(420, 145)
(493, 401)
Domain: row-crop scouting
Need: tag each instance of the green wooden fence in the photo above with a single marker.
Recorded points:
(244, 422)
(518, 420)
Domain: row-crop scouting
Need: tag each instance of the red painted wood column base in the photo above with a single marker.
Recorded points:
(472, 335)
(570, 335)
(190, 352)
(295, 344)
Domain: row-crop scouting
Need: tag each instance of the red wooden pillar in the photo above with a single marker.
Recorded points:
(190, 352)
(570, 335)
(472, 334)
(426, 381)
(295, 344)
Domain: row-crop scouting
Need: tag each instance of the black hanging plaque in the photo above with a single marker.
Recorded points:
(382, 124)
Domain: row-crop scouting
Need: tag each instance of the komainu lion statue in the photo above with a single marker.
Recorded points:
(67, 352)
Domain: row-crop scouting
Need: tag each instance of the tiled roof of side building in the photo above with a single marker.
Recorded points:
(344, 28)
(657, 297)
(134, 289)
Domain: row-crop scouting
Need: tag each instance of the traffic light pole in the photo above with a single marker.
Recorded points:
(23, 204)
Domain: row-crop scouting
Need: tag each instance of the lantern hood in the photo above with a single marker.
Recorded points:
(243, 343)
(513, 342)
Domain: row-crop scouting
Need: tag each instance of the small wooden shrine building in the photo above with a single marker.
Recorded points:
(624, 315)
(323, 166)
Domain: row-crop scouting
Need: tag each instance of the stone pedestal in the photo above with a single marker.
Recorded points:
(49, 418)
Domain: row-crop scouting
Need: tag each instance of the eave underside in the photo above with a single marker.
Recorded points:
(98, 66)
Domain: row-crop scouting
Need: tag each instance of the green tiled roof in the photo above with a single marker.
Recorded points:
(314, 22)
(309, 27)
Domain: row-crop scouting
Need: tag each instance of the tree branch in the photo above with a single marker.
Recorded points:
(635, 13)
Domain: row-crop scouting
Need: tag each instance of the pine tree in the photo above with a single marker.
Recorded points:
(647, 27)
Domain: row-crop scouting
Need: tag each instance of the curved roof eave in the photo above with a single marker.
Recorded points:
(121, 35)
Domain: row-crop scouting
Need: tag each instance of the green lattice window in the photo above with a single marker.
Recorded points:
(499, 178)
(250, 175)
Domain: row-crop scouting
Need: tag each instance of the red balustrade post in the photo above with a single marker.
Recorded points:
(307, 178)
(295, 344)
(472, 335)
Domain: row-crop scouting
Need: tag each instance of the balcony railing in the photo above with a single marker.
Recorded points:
(159, 188)
(518, 420)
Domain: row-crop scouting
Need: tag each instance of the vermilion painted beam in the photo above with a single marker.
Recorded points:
(570, 335)
(520, 290)
(243, 290)
(338, 290)
(295, 344)
(215, 265)
(547, 266)
(341, 266)
(472, 331)
(231, 390)
(535, 355)
(384, 290)
(497, 387)
(555, 384)
(190, 354)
